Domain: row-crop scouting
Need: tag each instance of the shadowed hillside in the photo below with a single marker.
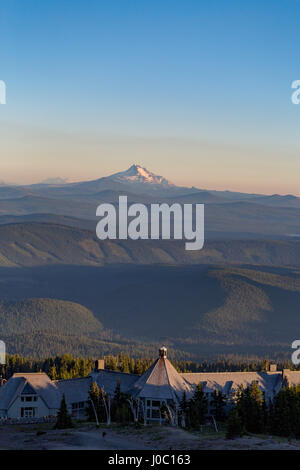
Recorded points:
(36, 244)
(196, 310)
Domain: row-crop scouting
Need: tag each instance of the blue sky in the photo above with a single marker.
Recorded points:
(196, 91)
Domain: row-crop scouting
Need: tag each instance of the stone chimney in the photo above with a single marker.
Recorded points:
(99, 365)
(163, 352)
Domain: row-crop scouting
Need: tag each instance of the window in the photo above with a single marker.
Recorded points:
(155, 414)
(153, 409)
(28, 412)
(29, 398)
(78, 405)
(155, 403)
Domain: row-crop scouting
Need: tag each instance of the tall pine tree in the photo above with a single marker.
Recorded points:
(198, 407)
(63, 418)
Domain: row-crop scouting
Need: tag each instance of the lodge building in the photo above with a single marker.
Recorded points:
(35, 395)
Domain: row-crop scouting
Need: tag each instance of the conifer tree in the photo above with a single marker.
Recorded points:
(218, 405)
(285, 416)
(63, 418)
(265, 414)
(139, 369)
(117, 394)
(53, 373)
(234, 425)
(184, 408)
(120, 410)
(249, 408)
(198, 407)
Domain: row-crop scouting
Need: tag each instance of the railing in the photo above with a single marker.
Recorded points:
(45, 419)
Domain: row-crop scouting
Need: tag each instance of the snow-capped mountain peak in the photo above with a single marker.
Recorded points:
(139, 174)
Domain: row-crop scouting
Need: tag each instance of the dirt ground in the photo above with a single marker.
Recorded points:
(43, 437)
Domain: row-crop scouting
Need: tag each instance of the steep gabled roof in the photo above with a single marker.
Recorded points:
(161, 381)
(39, 382)
(28, 390)
(11, 389)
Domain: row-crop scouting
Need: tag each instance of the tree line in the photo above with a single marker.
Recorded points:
(253, 414)
(67, 366)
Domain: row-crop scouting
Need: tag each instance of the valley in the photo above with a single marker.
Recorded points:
(64, 290)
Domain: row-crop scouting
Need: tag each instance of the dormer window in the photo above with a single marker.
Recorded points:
(28, 394)
(29, 398)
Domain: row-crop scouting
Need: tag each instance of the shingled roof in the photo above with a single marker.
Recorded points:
(109, 380)
(75, 390)
(161, 381)
(227, 382)
(291, 378)
(39, 382)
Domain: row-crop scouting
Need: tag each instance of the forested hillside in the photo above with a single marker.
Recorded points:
(47, 316)
(198, 312)
(39, 244)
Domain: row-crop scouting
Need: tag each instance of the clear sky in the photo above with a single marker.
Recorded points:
(198, 91)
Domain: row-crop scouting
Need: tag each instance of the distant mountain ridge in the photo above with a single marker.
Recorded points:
(225, 212)
(140, 180)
